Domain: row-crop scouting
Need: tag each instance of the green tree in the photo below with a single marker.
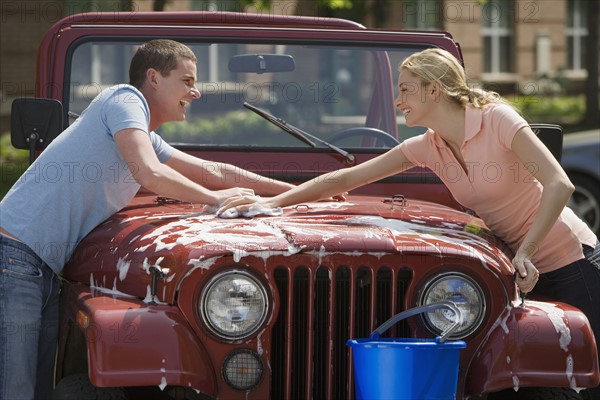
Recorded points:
(355, 10)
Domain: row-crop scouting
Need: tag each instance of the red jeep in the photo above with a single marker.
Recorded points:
(165, 300)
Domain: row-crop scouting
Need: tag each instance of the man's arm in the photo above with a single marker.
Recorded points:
(218, 176)
(137, 151)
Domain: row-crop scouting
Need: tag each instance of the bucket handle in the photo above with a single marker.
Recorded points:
(419, 310)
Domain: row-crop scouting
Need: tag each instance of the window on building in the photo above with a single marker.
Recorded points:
(497, 31)
(422, 14)
(576, 33)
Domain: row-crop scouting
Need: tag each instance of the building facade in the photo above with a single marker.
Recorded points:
(512, 46)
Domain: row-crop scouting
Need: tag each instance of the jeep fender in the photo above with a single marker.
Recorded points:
(541, 344)
(131, 343)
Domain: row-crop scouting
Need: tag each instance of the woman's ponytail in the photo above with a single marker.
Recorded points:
(437, 65)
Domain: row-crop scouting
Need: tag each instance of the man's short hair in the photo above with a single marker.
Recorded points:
(160, 54)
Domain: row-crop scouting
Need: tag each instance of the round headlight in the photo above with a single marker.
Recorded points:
(463, 292)
(234, 305)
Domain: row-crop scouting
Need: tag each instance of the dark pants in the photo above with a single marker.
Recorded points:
(577, 284)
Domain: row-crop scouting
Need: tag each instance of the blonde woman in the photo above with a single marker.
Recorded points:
(509, 178)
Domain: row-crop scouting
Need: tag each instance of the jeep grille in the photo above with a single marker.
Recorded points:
(318, 313)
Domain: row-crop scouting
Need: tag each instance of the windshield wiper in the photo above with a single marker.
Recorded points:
(299, 133)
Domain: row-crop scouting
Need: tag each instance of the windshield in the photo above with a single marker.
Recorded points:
(326, 89)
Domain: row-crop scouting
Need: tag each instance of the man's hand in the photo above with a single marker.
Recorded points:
(527, 274)
(340, 197)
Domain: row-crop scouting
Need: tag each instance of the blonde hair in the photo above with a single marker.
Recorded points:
(437, 65)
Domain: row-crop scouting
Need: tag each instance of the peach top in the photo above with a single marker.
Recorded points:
(497, 185)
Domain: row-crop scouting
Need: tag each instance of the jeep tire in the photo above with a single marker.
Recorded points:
(79, 387)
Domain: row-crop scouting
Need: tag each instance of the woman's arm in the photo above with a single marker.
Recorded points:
(557, 189)
(216, 175)
(331, 183)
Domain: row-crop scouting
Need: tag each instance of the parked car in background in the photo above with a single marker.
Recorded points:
(166, 301)
(581, 161)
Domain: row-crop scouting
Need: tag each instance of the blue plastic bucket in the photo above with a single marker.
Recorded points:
(407, 369)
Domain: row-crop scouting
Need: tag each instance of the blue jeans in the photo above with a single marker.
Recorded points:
(28, 323)
(577, 284)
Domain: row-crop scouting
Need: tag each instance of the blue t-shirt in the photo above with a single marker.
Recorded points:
(80, 179)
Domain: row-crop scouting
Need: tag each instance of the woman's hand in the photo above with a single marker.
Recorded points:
(234, 193)
(242, 203)
(527, 274)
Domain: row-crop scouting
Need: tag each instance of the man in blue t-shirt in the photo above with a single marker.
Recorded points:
(89, 172)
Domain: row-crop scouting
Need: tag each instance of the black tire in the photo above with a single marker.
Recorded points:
(585, 201)
(536, 394)
(79, 387)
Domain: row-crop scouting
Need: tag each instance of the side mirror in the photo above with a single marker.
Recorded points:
(261, 63)
(551, 136)
(34, 123)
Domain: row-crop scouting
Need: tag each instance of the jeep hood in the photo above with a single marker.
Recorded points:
(176, 238)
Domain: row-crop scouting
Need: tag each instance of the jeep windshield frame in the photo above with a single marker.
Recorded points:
(335, 86)
(293, 163)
